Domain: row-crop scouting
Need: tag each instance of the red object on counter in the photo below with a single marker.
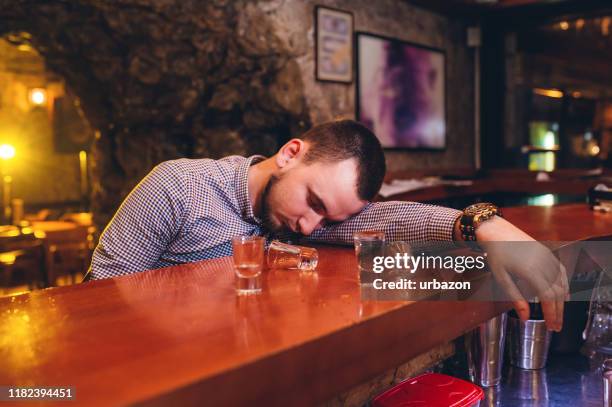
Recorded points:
(431, 390)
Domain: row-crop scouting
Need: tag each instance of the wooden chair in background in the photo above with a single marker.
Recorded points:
(22, 259)
(67, 252)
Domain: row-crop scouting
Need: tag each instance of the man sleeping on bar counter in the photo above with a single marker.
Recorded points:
(319, 185)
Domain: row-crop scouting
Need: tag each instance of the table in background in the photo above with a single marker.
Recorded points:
(68, 247)
(43, 251)
(21, 255)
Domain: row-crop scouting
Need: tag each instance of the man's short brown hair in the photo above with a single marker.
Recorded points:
(345, 139)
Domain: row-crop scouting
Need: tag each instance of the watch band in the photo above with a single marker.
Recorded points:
(473, 216)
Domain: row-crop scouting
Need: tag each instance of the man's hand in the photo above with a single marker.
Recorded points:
(527, 264)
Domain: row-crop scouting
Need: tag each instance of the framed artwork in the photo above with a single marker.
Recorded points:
(401, 92)
(334, 45)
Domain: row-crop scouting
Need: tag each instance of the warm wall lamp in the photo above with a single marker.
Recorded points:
(7, 151)
(38, 96)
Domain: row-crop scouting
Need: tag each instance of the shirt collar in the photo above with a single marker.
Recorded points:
(242, 189)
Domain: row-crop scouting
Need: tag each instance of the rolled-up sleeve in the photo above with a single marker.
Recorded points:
(145, 223)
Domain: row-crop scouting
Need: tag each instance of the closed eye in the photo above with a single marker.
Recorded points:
(316, 203)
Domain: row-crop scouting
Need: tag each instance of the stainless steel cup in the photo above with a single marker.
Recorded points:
(528, 343)
(485, 351)
(528, 385)
(607, 382)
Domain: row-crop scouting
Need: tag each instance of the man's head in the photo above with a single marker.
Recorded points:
(326, 176)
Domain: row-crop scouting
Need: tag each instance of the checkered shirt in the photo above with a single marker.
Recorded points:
(188, 210)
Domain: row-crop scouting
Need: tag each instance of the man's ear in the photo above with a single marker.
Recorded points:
(291, 152)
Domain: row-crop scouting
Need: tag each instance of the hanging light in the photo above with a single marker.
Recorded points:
(551, 93)
(605, 25)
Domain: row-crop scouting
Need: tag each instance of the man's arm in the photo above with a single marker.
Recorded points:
(408, 221)
(146, 222)
(415, 222)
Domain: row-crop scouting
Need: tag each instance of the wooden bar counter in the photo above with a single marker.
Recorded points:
(180, 335)
(560, 223)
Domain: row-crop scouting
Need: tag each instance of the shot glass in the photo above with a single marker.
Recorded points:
(368, 245)
(288, 256)
(248, 263)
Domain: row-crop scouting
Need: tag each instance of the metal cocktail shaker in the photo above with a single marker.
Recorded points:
(485, 351)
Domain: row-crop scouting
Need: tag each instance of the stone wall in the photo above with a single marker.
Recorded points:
(162, 79)
(293, 21)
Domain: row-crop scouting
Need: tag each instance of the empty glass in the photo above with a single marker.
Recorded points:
(368, 245)
(598, 331)
(248, 263)
(288, 256)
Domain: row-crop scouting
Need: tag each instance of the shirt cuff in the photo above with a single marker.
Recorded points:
(441, 225)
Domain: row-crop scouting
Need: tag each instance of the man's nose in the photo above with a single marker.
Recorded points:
(309, 223)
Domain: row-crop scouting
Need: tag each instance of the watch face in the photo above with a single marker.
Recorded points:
(480, 209)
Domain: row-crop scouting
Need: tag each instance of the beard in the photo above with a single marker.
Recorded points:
(266, 208)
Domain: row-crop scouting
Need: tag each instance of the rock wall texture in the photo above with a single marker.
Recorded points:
(293, 22)
(162, 79)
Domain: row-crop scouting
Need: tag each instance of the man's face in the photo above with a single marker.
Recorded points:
(305, 197)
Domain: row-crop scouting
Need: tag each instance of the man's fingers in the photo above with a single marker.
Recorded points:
(560, 308)
(562, 296)
(552, 299)
(520, 304)
(551, 315)
(553, 303)
(559, 292)
(522, 309)
(565, 281)
(548, 309)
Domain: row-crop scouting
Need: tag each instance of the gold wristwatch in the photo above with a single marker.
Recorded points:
(473, 216)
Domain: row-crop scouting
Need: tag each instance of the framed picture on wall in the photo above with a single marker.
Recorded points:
(334, 45)
(401, 92)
